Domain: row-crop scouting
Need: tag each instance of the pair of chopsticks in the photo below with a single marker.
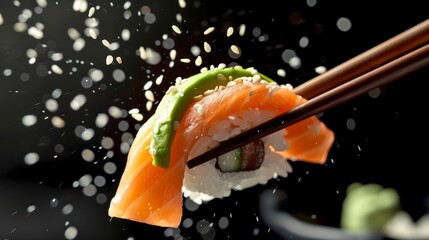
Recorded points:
(400, 55)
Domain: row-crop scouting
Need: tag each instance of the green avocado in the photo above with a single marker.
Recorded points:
(173, 106)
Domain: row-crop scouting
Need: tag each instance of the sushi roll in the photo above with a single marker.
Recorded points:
(195, 115)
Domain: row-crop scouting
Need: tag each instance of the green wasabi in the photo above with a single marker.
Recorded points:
(368, 207)
(177, 99)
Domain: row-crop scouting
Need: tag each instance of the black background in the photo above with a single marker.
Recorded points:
(388, 145)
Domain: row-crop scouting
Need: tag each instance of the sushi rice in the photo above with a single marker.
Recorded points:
(206, 182)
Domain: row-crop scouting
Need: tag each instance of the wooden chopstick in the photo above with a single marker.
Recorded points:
(393, 70)
(382, 53)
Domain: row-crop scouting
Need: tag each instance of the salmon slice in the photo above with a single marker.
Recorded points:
(153, 195)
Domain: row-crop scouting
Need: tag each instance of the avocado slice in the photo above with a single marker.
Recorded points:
(173, 106)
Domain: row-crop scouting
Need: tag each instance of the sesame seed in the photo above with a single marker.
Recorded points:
(106, 43)
(242, 30)
(142, 53)
(207, 47)
(147, 85)
(235, 49)
(137, 116)
(91, 11)
(149, 95)
(109, 59)
(149, 106)
(159, 79)
(176, 29)
(320, 69)
(198, 61)
(182, 3)
(173, 54)
(56, 69)
(92, 33)
(281, 73)
(220, 76)
(209, 30)
(119, 60)
(134, 110)
(229, 32)
(185, 60)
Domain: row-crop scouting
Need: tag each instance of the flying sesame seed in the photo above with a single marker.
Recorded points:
(207, 47)
(182, 3)
(159, 79)
(134, 110)
(142, 53)
(176, 29)
(229, 32)
(92, 33)
(235, 49)
(320, 69)
(198, 61)
(173, 54)
(137, 116)
(1, 19)
(73, 33)
(242, 30)
(58, 122)
(56, 69)
(119, 60)
(106, 43)
(125, 34)
(209, 30)
(29, 120)
(109, 59)
(281, 72)
(185, 60)
(91, 12)
(147, 85)
(149, 106)
(149, 95)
